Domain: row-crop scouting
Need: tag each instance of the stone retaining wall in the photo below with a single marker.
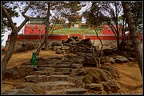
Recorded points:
(109, 41)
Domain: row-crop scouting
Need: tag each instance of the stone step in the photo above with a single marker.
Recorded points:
(55, 85)
(62, 66)
(37, 78)
(65, 70)
(55, 92)
(75, 91)
(68, 65)
(60, 73)
(55, 57)
(58, 77)
(45, 78)
(37, 73)
(45, 65)
(65, 91)
(77, 65)
(65, 62)
(50, 69)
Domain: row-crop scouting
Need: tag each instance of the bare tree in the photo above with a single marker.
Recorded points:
(133, 34)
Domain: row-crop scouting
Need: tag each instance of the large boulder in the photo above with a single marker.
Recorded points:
(106, 60)
(25, 70)
(59, 51)
(96, 76)
(78, 80)
(30, 46)
(99, 75)
(11, 73)
(89, 59)
(108, 52)
(120, 59)
(25, 47)
(112, 70)
(56, 44)
(112, 86)
(95, 88)
(22, 49)
(86, 41)
(69, 40)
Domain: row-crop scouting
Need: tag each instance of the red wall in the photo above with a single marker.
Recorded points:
(36, 27)
(108, 30)
(28, 29)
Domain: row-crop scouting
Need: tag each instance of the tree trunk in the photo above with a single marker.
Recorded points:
(98, 64)
(133, 34)
(47, 26)
(118, 44)
(9, 51)
(117, 30)
(14, 33)
(39, 48)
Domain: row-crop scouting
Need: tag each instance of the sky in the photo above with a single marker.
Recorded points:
(20, 19)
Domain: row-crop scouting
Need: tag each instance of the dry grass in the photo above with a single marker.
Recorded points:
(20, 57)
(130, 77)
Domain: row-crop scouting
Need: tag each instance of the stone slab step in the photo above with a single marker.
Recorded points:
(55, 85)
(55, 92)
(67, 66)
(77, 66)
(65, 62)
(60, 73)
(75, 91)
(55, 57)
(45, 65)
(37, 78)
(58, 77)
(62, 66)
(45, 68)
(65, 70)
(37, 73)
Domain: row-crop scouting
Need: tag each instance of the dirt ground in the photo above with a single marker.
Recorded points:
(130, 77)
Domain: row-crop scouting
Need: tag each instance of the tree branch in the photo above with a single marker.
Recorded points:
(4, 10)
(26, 18)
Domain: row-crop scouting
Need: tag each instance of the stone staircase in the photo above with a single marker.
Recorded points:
(58, 75)
(56, 78)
